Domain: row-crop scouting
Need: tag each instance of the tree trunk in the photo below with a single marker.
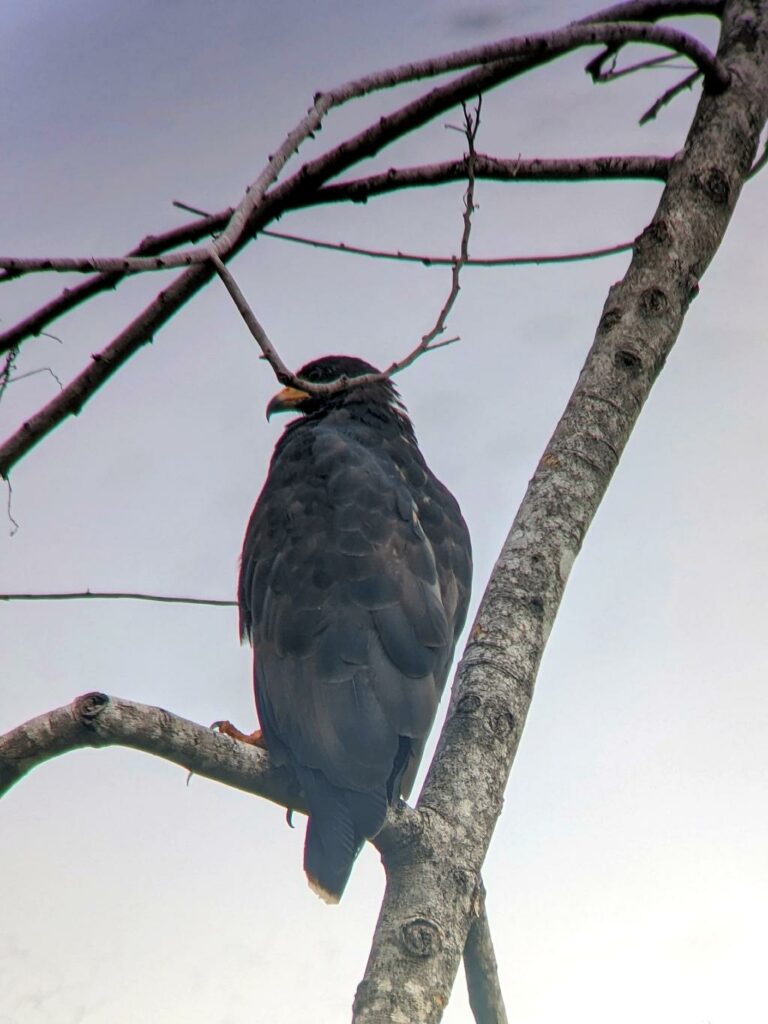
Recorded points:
(434, 858)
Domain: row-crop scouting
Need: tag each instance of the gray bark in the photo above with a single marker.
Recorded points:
(433, 859)
(434, 908)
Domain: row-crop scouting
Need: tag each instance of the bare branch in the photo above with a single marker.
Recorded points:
(447, 261)
(33, 373)
(668, 96)
(70, 298)
(8, 507)
(306, 181)
(114, 595)
(122, 265)
(643, 314)
(542, 47)
(600, 77)
(471, 126)
(651, 10)
(269, 351)
(491, 168)
(359, 191)
(427, 342)
(7, 370)
(481, 969)
(190, 209)
(96, 720)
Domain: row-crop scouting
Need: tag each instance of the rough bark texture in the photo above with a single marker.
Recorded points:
(480, 968)
(97, 720)
(433, 864)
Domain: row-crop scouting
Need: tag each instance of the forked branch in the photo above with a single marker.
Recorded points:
(428, 341)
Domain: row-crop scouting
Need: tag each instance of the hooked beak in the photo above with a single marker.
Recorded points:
(285, 400)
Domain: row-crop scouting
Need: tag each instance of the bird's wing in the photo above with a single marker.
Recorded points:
(341, 596)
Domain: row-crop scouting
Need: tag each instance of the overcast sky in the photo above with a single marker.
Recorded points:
(627, 876)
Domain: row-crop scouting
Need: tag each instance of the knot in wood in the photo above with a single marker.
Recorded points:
(468, 704)
(715, 184)
(420, 938)
(626, 359)
(610, 318)
(500, 721)
(658, 233)
(537, 606)
(89, 707)
(745, 32)
(653, 302)
(465, 881)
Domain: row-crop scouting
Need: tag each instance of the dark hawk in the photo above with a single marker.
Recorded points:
(353, 589)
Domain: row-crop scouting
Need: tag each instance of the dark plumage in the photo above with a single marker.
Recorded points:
(353, 588)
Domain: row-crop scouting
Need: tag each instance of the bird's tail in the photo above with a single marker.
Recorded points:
(340, 820)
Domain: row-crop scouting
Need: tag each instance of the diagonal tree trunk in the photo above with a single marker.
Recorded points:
(433, 859)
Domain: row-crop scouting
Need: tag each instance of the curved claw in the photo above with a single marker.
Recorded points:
(255, 739)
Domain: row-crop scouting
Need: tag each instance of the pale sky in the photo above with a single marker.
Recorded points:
(627, 876)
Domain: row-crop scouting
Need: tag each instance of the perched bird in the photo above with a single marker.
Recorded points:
(354, 583)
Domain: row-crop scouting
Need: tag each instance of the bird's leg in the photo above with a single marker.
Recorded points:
(255, 739)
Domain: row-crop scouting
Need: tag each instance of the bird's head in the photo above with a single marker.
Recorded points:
(327, 370)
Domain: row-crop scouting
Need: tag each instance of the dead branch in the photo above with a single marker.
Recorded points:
(428, 340)
(595, 67)
(115, 595)
(650, 10)
(359, 190)
(270, 353)
(491, 168)
(427, 343)
(668, 96)
(303, 183)
(33, 373)
(70, 298)
(643, 314)
(485, 998)
(254, 211)
(96, 720)
(541, 47)
(448, 261)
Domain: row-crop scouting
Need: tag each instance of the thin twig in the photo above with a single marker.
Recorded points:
(668, 96)
(190, 209)
(427, 342)
(471, 126)
(446, 261)
(7, 369)
(271, 354)
(595, 66)
(491, 168)
(33, 373)
(18, 266)
(358, 190)
(70, 298)
(14, 525)
(305, 182)
(650, 10)
(110, 595)
(544, 46)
